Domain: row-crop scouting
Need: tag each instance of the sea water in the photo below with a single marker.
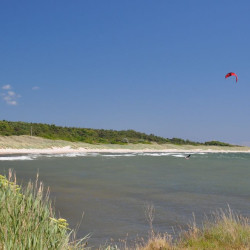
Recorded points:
(114, 190)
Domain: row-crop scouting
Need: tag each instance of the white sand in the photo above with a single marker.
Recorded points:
(68, 149)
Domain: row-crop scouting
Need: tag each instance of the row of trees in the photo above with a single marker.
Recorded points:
(217, 143)
(51, 131)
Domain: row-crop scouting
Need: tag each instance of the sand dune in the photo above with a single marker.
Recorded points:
(37, 145)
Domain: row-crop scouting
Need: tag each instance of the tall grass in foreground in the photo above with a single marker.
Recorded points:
(225, 230)
(27, 220)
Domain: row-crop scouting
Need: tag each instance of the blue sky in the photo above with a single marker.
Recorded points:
(152, 66)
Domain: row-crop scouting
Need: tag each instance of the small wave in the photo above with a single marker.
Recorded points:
(17, 158)
(92, 154)
(179, 155)
(118, 155)
(155, 154)
(64, 155)
(70, 155)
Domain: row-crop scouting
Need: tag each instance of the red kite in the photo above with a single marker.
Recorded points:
(232, 74)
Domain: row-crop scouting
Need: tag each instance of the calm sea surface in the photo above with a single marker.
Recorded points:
(113, 189)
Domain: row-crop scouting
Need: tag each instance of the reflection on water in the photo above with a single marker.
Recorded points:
(113, 189)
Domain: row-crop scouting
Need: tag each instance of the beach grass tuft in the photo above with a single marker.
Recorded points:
(224, 230)
(27, 219)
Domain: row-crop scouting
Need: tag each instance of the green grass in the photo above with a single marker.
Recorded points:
(27, 219)
(226, 230)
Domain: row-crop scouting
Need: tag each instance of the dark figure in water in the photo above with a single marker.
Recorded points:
(187, 157)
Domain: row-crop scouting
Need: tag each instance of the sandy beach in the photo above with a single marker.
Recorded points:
(68, 150)
(37, 145)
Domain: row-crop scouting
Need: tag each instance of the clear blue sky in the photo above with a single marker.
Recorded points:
(152, 66)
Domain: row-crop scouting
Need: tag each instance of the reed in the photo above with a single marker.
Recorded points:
(27, 219)
(224, 230)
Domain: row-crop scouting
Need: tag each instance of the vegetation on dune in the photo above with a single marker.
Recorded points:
(217, 143)
(88, 135)
(27, 220)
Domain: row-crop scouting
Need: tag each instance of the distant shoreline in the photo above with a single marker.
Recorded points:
(10, 145)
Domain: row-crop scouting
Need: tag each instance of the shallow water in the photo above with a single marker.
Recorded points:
(113, 189)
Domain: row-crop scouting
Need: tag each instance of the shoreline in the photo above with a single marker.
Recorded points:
(69, 150)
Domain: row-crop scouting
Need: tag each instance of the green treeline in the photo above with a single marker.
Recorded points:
(217, 143)
(88, 135)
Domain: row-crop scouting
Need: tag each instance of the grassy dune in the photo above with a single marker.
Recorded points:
(32, 142)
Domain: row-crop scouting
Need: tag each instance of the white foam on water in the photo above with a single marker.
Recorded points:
(155, 154)
(70, 155)
(179, 155)
(64, 155)
(17, 158)
(152, 154)
(92, 154)
(118, 155)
